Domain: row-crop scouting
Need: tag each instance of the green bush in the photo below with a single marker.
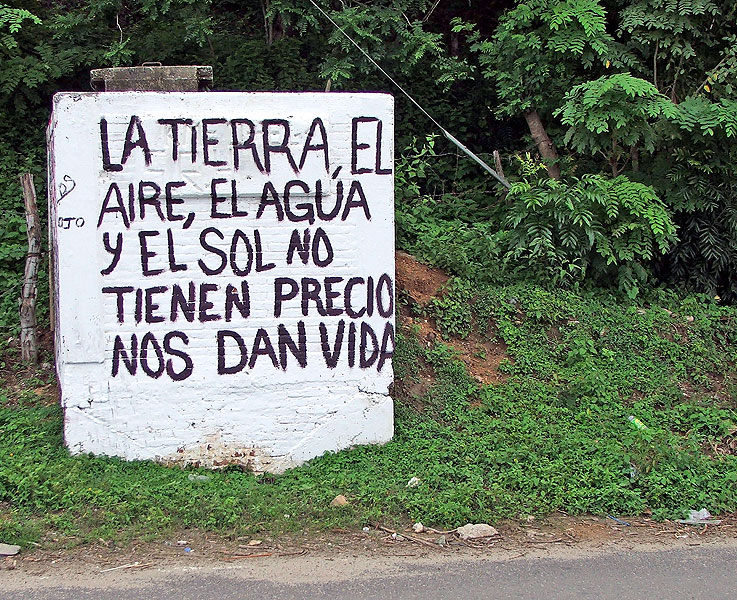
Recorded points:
(590, 227)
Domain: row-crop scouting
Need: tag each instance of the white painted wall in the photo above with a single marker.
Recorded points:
(264, 416)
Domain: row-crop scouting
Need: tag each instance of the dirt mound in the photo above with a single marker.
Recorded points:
(482, 357)
(421, 284)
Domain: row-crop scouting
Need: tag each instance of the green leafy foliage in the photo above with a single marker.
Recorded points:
(450, 230)
(392, 31)
(11, 22)
(698, 182)
(612, 114)
(674, 39)
(699, 115)
(13, 241)
(672, 88)
(591, 226)
(539, 44)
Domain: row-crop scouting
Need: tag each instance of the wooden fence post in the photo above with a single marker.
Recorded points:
(28, 328)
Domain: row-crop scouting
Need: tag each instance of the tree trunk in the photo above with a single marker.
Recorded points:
(613, 162)
(268, 24)
(455, 44)
(543, 143)
(28, 342)
(635, 159)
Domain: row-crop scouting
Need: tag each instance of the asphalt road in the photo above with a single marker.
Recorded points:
(699, 572)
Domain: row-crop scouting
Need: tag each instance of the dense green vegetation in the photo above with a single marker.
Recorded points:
(630, 105)
(553, 435)
(615, 123)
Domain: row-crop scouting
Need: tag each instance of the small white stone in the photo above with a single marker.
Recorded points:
(473, 531)
(9, 549)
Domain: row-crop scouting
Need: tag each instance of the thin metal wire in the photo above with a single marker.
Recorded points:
(450, 137)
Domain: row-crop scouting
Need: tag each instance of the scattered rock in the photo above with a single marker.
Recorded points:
(9, 549)
(441, 541)
(418, 527)
(689, 319)
(413, 483)
(182, 543)
(530, 518)
(339, 500)
(10, 563)
(473, 531)
(255, 542)
(366, 529)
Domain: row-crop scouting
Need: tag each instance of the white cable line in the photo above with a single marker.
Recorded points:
(452, 139)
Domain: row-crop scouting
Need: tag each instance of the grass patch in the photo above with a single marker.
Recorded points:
(553, 436)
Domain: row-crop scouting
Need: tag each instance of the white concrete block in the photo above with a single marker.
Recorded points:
(224, 267)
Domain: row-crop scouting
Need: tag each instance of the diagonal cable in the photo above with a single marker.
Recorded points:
(450, 137)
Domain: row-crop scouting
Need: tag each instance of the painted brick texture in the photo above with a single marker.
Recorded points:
(224, 272)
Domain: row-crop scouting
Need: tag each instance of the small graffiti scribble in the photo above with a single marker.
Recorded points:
(68, 222)
(66, 187)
